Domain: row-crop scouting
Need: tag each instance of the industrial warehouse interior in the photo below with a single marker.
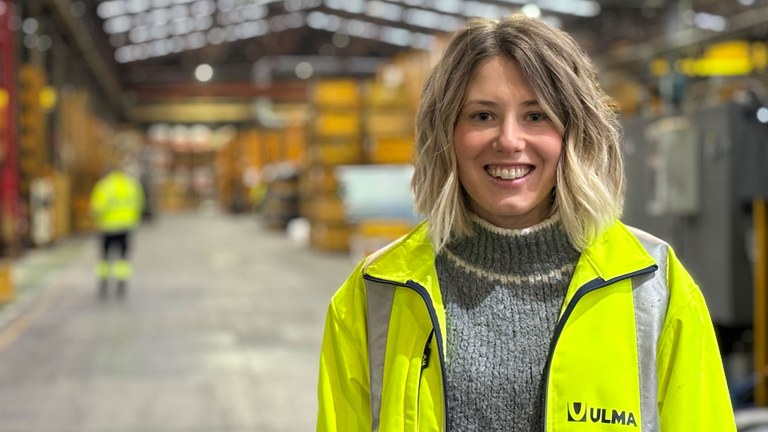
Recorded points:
(274, 142)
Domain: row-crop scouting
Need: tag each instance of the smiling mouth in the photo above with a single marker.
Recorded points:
(512, 173)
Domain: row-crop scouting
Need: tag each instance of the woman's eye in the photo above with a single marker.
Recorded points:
(537, 117)
(483, 116)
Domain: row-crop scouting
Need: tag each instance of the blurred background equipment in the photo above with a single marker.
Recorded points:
(378, 204)
(693, 179)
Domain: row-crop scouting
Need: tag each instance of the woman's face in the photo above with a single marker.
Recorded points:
(507, 148)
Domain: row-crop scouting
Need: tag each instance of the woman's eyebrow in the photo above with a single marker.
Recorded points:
(486, 102)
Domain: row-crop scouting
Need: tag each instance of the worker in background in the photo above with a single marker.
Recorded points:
(116, 202)
(522, 303)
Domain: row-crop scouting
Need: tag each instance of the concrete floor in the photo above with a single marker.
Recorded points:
(220, 331)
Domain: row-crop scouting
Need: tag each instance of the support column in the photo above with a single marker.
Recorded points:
(760, 218)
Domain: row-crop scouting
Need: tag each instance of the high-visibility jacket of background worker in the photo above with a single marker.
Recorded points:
(117, 201)
(633, 350)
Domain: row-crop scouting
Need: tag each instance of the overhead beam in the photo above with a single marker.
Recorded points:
(738, 25)
(193, 112)
(279, 92)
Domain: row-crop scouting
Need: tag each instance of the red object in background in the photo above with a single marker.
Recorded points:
(9, 173)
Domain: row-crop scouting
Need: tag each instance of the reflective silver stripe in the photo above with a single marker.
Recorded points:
(651, 297)
(379, 301)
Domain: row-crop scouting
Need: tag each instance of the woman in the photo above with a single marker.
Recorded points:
(522, 303)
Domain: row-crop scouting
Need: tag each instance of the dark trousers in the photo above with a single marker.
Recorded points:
(114, 243)
(118, 242)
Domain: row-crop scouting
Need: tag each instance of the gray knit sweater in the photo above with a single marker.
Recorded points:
(502, 290)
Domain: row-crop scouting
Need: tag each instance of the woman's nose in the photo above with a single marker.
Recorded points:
(511, 137)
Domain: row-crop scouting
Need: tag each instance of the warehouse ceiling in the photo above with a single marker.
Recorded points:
(163, 48)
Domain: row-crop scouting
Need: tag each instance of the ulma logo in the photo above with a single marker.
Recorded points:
(579, 412)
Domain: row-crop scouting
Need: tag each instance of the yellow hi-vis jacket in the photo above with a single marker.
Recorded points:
(633, 350)
(117, 201)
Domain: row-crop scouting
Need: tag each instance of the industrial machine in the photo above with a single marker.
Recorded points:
(697, 181)
(691, 180)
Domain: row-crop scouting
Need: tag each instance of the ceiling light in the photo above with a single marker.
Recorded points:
(387, 11)
(449, 6)
(204, 72)
(195, 40)
(422, 18)
(531, 10)
(424, 41)
(30, 26)
(160, 16)
(340, 40)
(118, 24)
(109, 9)
(334, 23)
(177, 43)
(226, 5)
(762, 115)
(317, 20)
(178, 12)
(278, 23)
(304, 70)
(298, 5)
(136, 6)
(123, 55)
(159, 48)
(158, 32)
(76, 9)
(712, 22)
(181, 26)
(395, 36)
(553, 21)
(138, 35)
(433, 20)
(216, 36)
(295, 20)
(352, 6)
(140, 52)
(484, 10)
(203, 23)
(359, 28)
(30, 41)
(584, 8)
(253, 11)
(202, 8)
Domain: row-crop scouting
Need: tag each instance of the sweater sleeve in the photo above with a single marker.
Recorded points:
(343, 391)
(692, 394)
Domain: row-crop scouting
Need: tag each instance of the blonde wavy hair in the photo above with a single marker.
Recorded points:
(589, 188)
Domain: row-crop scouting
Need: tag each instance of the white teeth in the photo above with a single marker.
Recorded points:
(513, 173)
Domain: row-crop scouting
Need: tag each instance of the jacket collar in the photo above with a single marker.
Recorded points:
(614, 253)
(410, 258)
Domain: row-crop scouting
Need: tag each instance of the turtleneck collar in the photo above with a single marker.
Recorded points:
(514, 255)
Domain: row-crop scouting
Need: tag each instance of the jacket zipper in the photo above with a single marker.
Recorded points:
(425, 356)
(590, 286)
(427, 351)
(435, 328)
